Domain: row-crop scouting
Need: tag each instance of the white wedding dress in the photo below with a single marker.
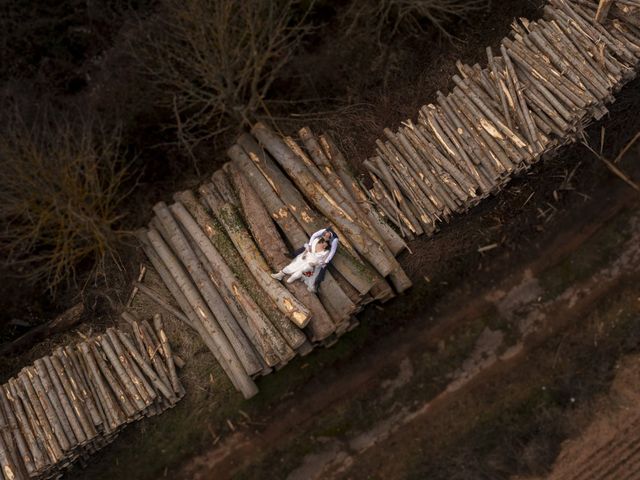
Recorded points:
(304, 265)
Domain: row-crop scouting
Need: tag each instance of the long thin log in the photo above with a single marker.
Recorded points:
(204, 320)
(265, 337)
(229, 217)
(168, 355)
(106, 399)
(46, 385)
(239, 270)
(145, 389)
(274, 250)
(395, 243)
(32, 436)
(304, 180)
(14, 431)
(145, 367)
(57, 372)
(124, 377)
(49, 422)
(66, 370)
(221, 316)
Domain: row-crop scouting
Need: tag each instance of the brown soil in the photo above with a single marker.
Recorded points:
(609, 448)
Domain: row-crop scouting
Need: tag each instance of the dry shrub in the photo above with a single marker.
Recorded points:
(387, 18)
(61, 190)
(214, 61)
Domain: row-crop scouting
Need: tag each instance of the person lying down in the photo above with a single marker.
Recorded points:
(306, 265)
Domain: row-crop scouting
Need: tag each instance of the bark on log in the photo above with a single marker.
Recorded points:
(123, 375)
(361, 276)
(146, 391)
(14, 432)
(204, 320)
(395, 242)
(32, 438)
(46, 384)
(229, 217)
(66, 369)
(70, 394)
(215, 233)
(168, 355)
(360, 240)
(333, 298)
(274, 250)
(263, 334)
(221, 316)
(38, 417)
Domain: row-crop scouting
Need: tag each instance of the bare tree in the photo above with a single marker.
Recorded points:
(214, 61)
(61, 194)
(386, 18)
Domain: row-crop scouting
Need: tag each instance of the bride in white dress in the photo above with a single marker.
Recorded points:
(304, 265)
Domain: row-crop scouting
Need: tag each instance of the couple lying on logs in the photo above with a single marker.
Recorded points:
(311, 260)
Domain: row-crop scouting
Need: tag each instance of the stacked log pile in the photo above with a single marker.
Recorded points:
(550, 79)
(73, 402)
(215, 250)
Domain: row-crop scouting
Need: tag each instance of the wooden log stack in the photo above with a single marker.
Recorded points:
(74, 401)
(215, 249)
(548, 81)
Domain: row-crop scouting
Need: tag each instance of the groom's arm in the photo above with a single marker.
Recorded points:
(332, 252)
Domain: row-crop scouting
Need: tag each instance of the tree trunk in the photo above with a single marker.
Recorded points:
(204, 320)
(333, 298)
(229, 217)
(305, 181)
(274, 250)
(215, 232)
(223, 317)
(264, 336)
(395, 243)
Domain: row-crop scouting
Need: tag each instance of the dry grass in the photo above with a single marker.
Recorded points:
(388, 18)
(214, 61)
(61, 193)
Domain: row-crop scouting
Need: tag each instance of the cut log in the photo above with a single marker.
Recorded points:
(215, 233)
(221, 316)
(274, 250)
(204, 321)
(168, 355)
(237, 231)
(268, 341)
(13, 432)
(333, 298)
(395, 242)
(305, 181)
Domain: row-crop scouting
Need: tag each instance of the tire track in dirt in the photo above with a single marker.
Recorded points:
(608, 448)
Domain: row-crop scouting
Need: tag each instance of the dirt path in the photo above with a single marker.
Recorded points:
(609, 449)
(379, 422)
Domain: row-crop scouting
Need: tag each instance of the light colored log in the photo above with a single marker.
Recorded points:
(240, 271)
(221, 316)
(274, 250)
(304, 180)
(204, 320)
(229, 217)
(168, 355)
(333, 298)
